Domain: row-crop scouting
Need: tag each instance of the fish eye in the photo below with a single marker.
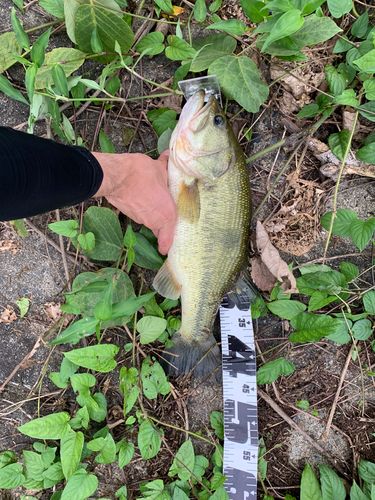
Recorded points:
(218, 121)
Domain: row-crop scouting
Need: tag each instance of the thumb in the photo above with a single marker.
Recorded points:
(165, 237)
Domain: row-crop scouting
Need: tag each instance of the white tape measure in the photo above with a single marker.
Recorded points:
(240, 401)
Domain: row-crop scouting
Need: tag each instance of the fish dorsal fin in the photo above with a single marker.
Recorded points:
(188, 202)
(166, 283)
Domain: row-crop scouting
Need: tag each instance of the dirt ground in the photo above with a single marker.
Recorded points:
(32, 267)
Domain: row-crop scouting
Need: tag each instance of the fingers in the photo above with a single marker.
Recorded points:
(165, 238)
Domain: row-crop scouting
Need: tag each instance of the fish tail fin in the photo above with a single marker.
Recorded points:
(202, 358)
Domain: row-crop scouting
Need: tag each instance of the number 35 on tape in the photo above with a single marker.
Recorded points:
(240, 401)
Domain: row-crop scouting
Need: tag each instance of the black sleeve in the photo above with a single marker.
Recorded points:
(38, 175)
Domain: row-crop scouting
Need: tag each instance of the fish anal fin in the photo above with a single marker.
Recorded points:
(166, 283)
(188, 202)
(244, 293)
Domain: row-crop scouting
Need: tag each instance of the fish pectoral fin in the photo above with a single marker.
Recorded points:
(166, 283)
(188, 202)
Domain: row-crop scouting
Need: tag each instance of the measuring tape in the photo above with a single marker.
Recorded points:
(240, 401)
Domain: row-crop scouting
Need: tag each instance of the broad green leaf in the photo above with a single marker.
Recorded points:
(155, 113)
(7, 88)
(163, 141)
(232, 26)
(336, 80)
(80, 486)
(82, 381)
(213, 47)
(87, 241)
(82, 328)
(103, 308)
(65, 228)
(11, 476)
(361, 232)
(21, 36)
(315, 30)
(269, 372)
(150, 328)
(180, 74)
(286, 25)
(8, 48)
(319, 300)
(66, 370)
(96, 42)
(347, 98)
(217, 423)
(239, 80)
(129, 237)
(7, 457)
(332, 486)
(350, 271)
(341, 223)
(153, 42)
(105, 226)
(149, 440)
(369, 302)
(217, 480)
(110, 28)
(96, 357)
(339, 7)
(366, 63)
(286, 308)
(107, 453)
(165, 5)
(256, 11)
(165, 121)
(359, 28)
(185, 455)
(339, 143)
(145, 254)
(105, 142)
(81, 419)
(154, 380)
(54, 7)
(61, 54)
(312, 327)
(308, 111)
(129, 387)
(342, 45)
(221, 494)
(38, 50)
(367, 153)
(154, 490)
(178, 49)
(23, 305)
(125, 453)
(168, 304)
(100, 413)
(70, 452)
(367, 110)
(305, 405)
(215, 5)
(366, 471)
(362, 330)
(200, 11)
(128, 307)
(369, 86)
(53, 426)
(19, 4)
(314, 268)
(356, 493)
(309, 485)
(30, 81)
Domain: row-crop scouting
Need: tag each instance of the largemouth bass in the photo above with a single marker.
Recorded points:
(209, 181)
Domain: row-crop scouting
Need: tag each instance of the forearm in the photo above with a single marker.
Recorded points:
(38, 175)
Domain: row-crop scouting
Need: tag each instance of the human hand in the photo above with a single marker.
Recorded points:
(138, 186)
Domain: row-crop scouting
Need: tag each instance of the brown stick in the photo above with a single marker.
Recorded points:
(292, 423)
(324, 436)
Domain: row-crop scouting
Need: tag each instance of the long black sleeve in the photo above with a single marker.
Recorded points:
(38, 175)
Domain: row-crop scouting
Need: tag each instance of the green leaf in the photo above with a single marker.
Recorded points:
(367, 153)
(129, 237)
(369, 86)
(286, 25)
(125, 453)
(312, 327)
(168, 304)
(103, 308)
(21, 36)
(150, 328)
(369, 302)
(38, 50)
(105, 226)
(239, 80)
(130, 306)
(217, 423)
(308, 111)
(11, 476)
(8, 48)
(154, 490)
(19, 4)
(178, 49)
(105, 142)
(200, 11)
(336, 80)
(366, 63)
(30, 81)
(82, 328)
(70, 452)
(65, 228)
(286, 308)
(332, 486)
(149, 440)
(53, 426)
(23, 305)
(342, 45)
(356, 493)
(7, 457)
(87, 241)
(309, 485)
(305, 405)
(339, 143)
(339, 7)
(220, 494)
(163, 141)
(98, 414)
(7, 88)
(319, 300)
(154, 380)
(129, 387)
(366, 471)
(145, 254)
(213, 47)
(367, 110)
(111, 29)
(347, 98)
(185, 455)
(350, 271)
(165, 5)
(361, 232)
(44, 75)
(315, 30)
(95, 42)
(54, 7)
(232, 26)
(256, 11)
(81, 419)
(96, 357)
(165, 121)
(359, 28)
(215, 6)
(107, 448)
(80, 486)
(341, 223)
(153, 43)
(269, 372)
(362, 329)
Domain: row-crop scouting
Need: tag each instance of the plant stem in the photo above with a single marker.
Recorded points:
(182, 430)
(148, 19)
(103, 99)
(47, 25)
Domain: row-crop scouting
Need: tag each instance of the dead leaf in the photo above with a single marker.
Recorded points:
(8, 315)
(275, 264)
(261, 275)
(173, 101)
(127, 135)
(10, 246)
